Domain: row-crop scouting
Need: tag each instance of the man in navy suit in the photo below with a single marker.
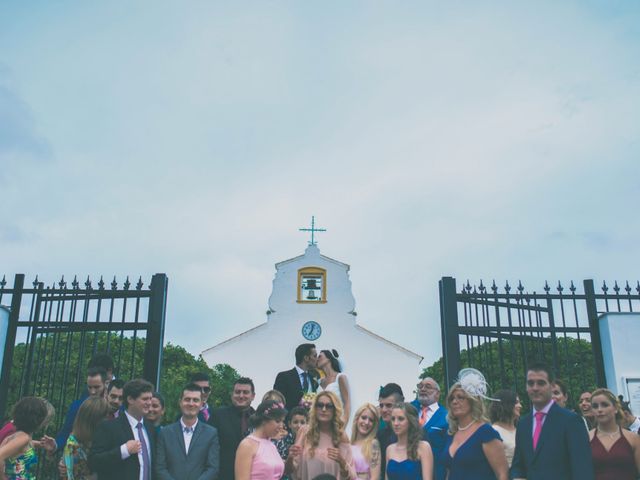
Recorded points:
(123, 448)
(433, 420)
(551, 442)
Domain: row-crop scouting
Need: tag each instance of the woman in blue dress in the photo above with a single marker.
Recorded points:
(410, 458)
(474, 449)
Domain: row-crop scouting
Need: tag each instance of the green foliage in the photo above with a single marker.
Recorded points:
(178, 365)
(59, 363)
(575, 360)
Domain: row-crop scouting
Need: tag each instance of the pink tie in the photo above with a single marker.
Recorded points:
(538, 428)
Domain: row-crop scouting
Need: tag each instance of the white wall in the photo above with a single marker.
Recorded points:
(621, 351)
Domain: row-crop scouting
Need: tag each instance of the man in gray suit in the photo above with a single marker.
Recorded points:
(189, 448)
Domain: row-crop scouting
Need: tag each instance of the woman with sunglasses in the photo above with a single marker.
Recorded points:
(615, 451)
(473, 449)
(322, 446)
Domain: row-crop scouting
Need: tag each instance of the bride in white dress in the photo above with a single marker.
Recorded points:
(334, 380)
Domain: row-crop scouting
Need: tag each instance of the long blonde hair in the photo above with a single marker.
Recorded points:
(367, 442)
(312, 438)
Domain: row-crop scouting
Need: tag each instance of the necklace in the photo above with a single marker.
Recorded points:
(608, 434)
(462, 429)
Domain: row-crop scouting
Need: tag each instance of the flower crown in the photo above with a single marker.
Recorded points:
(275, 406)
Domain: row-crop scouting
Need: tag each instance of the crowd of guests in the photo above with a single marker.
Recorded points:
(298, 431)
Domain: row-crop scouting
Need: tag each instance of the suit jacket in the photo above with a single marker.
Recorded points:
(562, 453)
(202, 462)
(227, 421)
(435, 432)
(104, 456)
(288, 383)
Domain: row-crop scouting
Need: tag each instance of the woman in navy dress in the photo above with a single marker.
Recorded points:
(410, 458)
(474, 449)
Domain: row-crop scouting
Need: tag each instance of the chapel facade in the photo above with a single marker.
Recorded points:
(312, 302)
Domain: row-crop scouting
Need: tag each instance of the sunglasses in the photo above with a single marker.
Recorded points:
(325, 406)
(206, 389)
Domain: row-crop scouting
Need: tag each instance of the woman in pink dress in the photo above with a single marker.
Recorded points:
(615, 451)
(364, 446)
(322, 446)
(257, 458)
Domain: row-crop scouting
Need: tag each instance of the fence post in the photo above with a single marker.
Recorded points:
(449, 327)
(155, 330)
(7, 361)
(594, 327)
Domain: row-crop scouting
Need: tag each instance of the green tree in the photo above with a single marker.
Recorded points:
(575, 360)
(58, 368)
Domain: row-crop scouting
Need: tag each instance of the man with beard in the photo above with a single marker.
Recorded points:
(433, 420)
(114, 397)
(232, 423)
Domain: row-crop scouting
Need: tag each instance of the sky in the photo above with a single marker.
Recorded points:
(479, 140)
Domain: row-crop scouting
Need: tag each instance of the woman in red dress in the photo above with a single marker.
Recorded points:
(615, 451)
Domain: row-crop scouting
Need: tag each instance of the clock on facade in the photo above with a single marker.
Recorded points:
(311, 330)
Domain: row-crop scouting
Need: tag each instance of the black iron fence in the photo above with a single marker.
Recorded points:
(55, 330)
(501, 330)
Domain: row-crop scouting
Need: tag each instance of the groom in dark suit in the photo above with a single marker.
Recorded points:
(551, 442)
(123, 448)
(294, 383)
(188, 449)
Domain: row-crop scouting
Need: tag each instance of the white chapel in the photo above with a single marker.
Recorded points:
(312, 302)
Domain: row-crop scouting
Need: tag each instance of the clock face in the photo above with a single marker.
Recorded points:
(311, 330)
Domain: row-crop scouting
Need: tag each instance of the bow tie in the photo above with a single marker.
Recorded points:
(187, 430)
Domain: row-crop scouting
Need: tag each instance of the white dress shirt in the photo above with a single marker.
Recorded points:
(187, 435)
(301, 374)
(124, 453)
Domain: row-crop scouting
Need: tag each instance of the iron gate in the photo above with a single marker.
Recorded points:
(500, 331)
(55, 330)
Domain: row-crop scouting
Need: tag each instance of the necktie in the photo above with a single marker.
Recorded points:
(205, 414)
(305, 382)
(538, 428)
(146, 474)
(423, 416)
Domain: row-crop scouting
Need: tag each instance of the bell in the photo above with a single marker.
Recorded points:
(311, 283)
(312, 295)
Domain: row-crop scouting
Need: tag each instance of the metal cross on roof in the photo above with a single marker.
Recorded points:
(313, 230)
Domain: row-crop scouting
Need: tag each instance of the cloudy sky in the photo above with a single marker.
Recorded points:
(481, 140)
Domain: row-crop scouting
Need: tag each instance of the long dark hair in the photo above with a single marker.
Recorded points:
(502, 410)
(332, 355)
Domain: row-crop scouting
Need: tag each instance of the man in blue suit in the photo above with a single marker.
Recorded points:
(433, 419)
(551, 442)
(96, 383)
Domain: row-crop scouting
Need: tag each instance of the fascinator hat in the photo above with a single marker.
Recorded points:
(473, 382)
